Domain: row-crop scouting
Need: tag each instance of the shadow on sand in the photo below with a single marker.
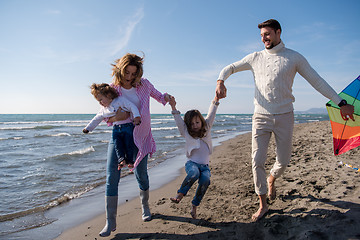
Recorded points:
(319, 223)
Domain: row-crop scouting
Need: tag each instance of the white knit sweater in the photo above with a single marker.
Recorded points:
(274, 72)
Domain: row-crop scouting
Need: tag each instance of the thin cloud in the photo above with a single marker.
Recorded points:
(4, 50)
(250, 47)
(202, 76)
(315, 31)
(126, 32)
(208, 76)
(348, 52)
(53, 12)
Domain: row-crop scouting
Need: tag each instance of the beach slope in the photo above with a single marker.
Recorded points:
(316, 197)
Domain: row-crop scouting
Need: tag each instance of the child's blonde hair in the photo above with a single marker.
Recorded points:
(103, 89)
(189, 115)
(121, 64)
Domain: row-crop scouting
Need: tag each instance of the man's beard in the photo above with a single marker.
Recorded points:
(270, 46)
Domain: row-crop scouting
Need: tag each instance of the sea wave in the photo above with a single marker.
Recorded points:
(69, 196)
(30, 127)
(221, 131)
(163, 128)
(63, 134)
(172, 136)
(46, 122)
(76, 125)
(11, 138)
(52, 203)
(101, 131)
(163, 119)
(17, 128)
(228, 116)
(82, 151)
(157, 123)
(73, 153)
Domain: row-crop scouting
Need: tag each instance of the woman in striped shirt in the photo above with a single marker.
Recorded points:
(128, 81)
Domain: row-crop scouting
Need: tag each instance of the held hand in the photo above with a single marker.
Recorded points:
(220, 89)
(172, 103)
(347, 112)
(120, 115)
(167, 97)
(137, 121)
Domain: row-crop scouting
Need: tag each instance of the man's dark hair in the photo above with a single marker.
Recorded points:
(272, 23)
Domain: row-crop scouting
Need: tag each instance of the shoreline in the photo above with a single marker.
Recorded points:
(316, 197)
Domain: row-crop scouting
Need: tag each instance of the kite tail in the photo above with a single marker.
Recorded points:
(349, 166)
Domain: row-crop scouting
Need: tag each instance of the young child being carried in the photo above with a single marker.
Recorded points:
(198, 146)
(110, 102)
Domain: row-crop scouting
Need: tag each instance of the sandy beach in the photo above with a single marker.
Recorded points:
(316, 197)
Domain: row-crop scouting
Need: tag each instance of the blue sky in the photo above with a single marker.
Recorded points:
(52, 51)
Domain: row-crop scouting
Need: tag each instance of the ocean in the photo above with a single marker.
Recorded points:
(47, 162)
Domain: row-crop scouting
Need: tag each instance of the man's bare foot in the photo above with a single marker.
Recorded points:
(259, 214)
(178, 198)
(272, 188)
(193, 212)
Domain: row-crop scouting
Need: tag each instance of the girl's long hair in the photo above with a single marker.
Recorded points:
(189, 115)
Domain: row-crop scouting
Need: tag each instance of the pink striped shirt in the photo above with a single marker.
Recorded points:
(143, 138)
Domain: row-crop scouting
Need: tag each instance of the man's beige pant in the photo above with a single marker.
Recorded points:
(263, 126)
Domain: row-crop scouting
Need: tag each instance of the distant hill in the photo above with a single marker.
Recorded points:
(313, 111)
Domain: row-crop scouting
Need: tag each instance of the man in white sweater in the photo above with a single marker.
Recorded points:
(274, 69)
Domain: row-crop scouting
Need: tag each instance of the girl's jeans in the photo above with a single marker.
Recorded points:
(112, 172)
(194, 172)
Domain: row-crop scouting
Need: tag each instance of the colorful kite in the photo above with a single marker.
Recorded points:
(346, 133)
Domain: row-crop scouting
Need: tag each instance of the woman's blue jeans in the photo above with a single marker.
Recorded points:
(112, 172)
(194, 172)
